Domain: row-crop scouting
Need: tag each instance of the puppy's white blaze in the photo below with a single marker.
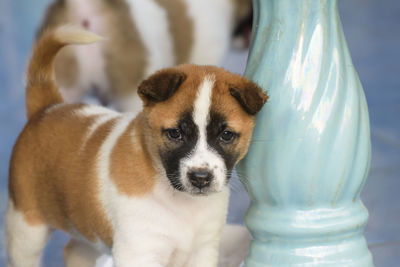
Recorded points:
(202, 107)
(203, 156)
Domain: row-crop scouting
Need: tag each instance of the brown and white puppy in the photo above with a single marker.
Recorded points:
(151, 190)
(146, 36)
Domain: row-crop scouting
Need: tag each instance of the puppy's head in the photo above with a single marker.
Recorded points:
(200, 120)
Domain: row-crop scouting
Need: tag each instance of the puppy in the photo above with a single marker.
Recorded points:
(146, 36)
(151, 190)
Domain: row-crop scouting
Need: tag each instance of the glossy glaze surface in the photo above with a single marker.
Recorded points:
(310, 152)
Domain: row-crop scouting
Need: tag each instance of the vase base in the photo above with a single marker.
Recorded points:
(347, 253)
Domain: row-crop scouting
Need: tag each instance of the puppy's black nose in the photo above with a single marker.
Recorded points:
(200, 178)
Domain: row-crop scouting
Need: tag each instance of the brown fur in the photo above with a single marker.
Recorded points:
(242, 9)
(53, 170)
(41, 92)
(66, 68)
(125, 56)
(56, 15)
(42, 177)
(50, 182)
(131, 164)
(168, 111)
(165, 114)
(181, 27)
(249, 96)
(66, 65)
(237, 118)
(160, 86)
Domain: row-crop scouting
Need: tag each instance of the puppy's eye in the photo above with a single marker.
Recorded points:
(227, 136)
(174, 134)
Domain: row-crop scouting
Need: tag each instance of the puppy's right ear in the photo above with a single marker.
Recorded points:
(160, 86)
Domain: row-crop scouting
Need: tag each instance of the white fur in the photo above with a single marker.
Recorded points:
(71, 34)
(164, 227)
(103, 115)
(104, 261)
(211, 41)
(80, 254)
(233, 248)
(93, 127)
(179, 229)
(235, 242)
(212, 30)
(53, 108)
(203, 156)
(131, 103)
(152, 23)
(91, 63)
(25, 242)
(202, 104)
(91, 110)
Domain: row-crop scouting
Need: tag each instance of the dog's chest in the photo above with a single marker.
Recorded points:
(189, 219)
(185, 223)
(195, 224)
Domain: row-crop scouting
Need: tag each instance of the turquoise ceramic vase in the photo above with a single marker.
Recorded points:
(310, 153)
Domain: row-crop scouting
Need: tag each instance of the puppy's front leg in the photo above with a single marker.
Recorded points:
(206, 255)
(142, 251)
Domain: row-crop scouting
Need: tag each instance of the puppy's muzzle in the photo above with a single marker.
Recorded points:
(200, 178)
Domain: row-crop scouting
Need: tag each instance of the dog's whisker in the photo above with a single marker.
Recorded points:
(234, 188)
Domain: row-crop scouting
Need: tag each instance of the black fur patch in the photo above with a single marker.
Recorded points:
(216, 125)
(177, 150)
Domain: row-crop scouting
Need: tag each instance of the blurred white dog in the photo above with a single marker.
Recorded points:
(146, 36)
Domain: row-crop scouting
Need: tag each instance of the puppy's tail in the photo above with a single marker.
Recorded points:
(41, 91)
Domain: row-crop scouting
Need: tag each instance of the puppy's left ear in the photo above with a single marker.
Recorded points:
(249, 95)
(160, 86)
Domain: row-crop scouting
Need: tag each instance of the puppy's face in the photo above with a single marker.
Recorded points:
(200, 122)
